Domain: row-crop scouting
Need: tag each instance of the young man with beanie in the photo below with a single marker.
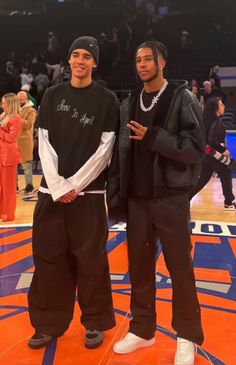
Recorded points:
(77, 123)
(161, 143)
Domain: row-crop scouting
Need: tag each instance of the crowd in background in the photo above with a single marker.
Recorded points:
(29, 74)
(40, 55)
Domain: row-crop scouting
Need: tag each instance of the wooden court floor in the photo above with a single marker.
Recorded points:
(214, 252)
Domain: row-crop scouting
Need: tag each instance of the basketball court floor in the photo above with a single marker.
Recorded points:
(214, 254)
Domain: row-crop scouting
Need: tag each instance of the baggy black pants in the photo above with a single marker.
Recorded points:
(166, 217)
(208, 166)
(69, 251)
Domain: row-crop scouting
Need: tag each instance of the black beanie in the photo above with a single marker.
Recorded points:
(88, 43)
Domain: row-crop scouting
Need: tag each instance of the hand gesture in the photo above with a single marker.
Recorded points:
(138, 129)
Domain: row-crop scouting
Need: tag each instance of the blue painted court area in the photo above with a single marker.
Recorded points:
(231, 145)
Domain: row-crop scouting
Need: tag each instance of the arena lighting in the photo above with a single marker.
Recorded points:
(15, 12)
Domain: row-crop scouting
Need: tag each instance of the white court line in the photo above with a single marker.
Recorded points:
(193, 200)
(10, 347)
(112, 340)
(207, 357)
(16, 225)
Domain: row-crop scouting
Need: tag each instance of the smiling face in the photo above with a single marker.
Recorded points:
(146, 67)
(81, 64)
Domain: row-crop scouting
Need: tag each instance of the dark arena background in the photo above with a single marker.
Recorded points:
(34, 38)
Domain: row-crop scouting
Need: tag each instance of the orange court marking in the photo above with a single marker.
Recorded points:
(16, 237)
(221, 276)
(232, 242)
(218, 308)
(205, 239)
(17, 254)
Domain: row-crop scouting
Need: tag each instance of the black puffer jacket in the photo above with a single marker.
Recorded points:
(179, 146)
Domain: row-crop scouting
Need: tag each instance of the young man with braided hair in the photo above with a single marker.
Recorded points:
(156, 163)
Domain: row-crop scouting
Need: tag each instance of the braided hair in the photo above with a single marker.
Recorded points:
(157, 48)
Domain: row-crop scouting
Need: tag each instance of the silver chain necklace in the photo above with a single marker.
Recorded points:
(155, 98)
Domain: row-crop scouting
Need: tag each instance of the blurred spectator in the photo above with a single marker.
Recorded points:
(26, 88)
(56, 72)
(25, 139)
(66, 73)
(12, 57)
(10, 126)
(150, 9)
(53, 48)
(214, 74)
(26, 77)
(215, 133)
(193, 82)
(195, 90)
(12, 77)
(185, 41)
(217, 90)
(208, 91)
(41, 81)
(124, 38)
(27, 60)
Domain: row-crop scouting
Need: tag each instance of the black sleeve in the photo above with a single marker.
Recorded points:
(214, 137)
(113, 115)
(186, 146)
(117, 206)
(43, 112)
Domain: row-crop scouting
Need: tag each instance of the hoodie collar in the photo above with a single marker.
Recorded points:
(27, 104)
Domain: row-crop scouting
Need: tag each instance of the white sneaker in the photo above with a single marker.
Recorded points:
(131, 343)
(230, 207)
(184, 353)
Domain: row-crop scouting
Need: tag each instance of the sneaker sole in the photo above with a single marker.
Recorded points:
(93, 346)
(31, 192)
(190, 362)
(39, 346)
(136, 347)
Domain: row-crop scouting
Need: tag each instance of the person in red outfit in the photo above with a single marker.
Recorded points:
(10, 125)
